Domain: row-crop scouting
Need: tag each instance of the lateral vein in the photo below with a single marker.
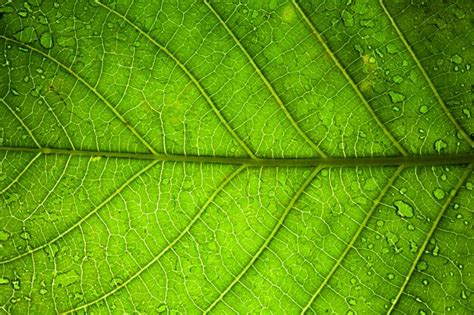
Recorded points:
(267, 83)
(349, 79)
(427, 78)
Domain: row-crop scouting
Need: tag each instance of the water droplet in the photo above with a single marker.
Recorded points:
(162, 308)
(392, 48)
(46, 40)
(23, 14)
(42, 20)
(469, 186)
(380, 223)
(413, 246)
(27, 6)
(422, 266)
(67, 278)
(423, 109)
(16, 284)
(396, 97)
(467, 112)
(359, 49)
(25, 235)
(403, 209)
(439, 193)
(352, 302)
(440, 145)
(4, 235)
(390, 276)
(425, 282)
(347, 19)
(4, 280)
(456, 59)
(397, 79)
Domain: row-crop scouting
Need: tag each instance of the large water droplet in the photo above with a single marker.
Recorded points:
(440, 145)
(439, 193)
(396, 97)
(456, 59)
(403, 209)
(4, 236)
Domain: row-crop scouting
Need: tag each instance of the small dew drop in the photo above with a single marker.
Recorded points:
(439, 193)
(423, 109)
(422, 266)
(25, 235)
(467, 113)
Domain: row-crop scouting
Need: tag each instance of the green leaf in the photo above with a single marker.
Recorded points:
(249, 156)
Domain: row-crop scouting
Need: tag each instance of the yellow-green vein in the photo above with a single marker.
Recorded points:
(349, 79)
(78, 223)
(450, 198)
(427, 78)
(90, 87)
(267, 83)
(198, 215)
(190, 76)
(351, 243)
(270, 237)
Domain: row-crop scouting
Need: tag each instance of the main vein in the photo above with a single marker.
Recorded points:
(427, 78)
(412, 160)
(349, 79)
(267, 83)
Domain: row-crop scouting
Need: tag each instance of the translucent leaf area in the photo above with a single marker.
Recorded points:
(276, 157)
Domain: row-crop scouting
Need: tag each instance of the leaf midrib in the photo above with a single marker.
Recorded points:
(413, 160)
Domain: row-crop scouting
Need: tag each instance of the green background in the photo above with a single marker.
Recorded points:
(236, 156)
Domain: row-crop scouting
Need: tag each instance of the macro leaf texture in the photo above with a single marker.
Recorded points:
(277, 157)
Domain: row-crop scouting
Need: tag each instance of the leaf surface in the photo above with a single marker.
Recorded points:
(216, 156)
